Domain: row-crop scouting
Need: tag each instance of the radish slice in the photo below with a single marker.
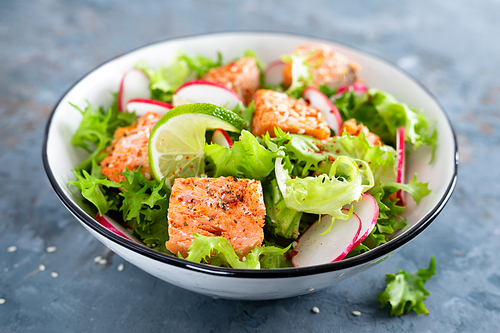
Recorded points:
(367, 211)
(220, 137)
(201, 91)
(141, 106)
(319, 100)
(313, 248)
(115, 227)
(400, 162)
(274, 72)
(357, 88)
(134, 84)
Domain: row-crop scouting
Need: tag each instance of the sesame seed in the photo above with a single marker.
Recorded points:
(121, 267)
(12, 248)
(97, 259)
(54, 274)
(315, 309)
(103, 262)
(356, 313)
(2, 301)
(301, 131)
(41, 268)
(51, 249)
(178, 157)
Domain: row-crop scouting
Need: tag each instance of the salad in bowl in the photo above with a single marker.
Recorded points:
(244, 164)
(251, 165)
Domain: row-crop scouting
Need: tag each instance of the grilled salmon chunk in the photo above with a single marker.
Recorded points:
(241, 76)
(351, 127)
(129, 149)
(327, 67)
(225, 206)
(274, 109)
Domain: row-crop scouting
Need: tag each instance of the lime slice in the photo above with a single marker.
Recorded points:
(177, 141)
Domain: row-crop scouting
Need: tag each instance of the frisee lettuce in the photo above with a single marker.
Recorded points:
(405, 291)
(91, 185)
(218, 251)
(97, 128)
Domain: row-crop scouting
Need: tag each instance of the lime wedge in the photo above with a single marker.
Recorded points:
(177, 141)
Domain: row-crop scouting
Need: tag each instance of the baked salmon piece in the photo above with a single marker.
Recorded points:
(129, 149)
(225, 206)
(241, 76)
(352, 128)
(275, 109)
(327, 67)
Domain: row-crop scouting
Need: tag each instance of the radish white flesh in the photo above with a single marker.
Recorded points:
(367, 211)
(115, 227)
(274, 72)
(319, 100)
(313, 248)
(400, 162)
(221, 137)
(141, 106)
(134, 84)
(201, 91)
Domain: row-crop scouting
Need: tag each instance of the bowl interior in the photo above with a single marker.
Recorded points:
(60, 156)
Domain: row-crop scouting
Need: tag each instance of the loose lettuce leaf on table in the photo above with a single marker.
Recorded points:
(405, 291)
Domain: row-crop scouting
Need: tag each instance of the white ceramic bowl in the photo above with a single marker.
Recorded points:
(59, 157)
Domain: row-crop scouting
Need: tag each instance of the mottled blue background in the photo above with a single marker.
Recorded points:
(452, 47)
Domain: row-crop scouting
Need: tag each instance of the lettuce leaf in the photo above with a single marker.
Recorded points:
(282, 221)
(301, 74)
(301, 150)
(326, 193)
(92, 187)
(383, 114)
(381, 159)
(405, 291)
(218, 251)
(416, 189)
(165, 81)
(246, 159)
(139, 194)
(201, 64)
(97, 128)
(245, 112)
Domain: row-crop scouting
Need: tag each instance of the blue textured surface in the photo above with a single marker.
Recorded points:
(45, 46)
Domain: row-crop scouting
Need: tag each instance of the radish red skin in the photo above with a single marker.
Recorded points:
(209, 83)
(274, 72)
(144, 103)
(367, 210)
(106, 224)
(122, 92)
(400, 162)
(356, 87)
(319, 100)
(309, 253)
(221, 137)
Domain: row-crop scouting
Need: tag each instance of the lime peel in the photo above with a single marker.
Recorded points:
(177, 141)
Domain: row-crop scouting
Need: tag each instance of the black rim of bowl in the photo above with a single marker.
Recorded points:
(372, 255)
